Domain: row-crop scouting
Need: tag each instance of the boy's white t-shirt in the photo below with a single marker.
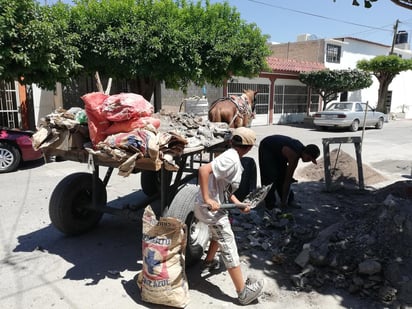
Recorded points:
(224, 180)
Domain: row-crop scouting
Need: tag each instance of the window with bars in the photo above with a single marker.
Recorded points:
(9, 113)
(333, 53)
(293, 99)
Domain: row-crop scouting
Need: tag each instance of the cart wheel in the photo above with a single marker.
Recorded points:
(150, 181)
(197, 232)
(249, 178)
(70, 203)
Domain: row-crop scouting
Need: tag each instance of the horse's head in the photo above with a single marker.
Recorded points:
(251, 98)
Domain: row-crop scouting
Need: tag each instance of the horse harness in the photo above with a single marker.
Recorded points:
(242, 106)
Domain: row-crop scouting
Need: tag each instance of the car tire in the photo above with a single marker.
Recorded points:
(379, 124)
(69, 206)
(10, 158)
(182, 208)
(354, 126)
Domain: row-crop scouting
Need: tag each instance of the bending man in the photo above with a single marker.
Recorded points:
(278, 158)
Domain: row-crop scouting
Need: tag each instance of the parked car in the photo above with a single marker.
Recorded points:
(348, 115)
(16, 147)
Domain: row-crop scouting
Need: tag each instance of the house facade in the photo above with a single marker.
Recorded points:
(281, 98)
(344, 53)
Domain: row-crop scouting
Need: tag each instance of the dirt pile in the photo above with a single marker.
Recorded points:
(351, 239)
(344, 169)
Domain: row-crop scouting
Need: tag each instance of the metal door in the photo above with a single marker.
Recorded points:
(9, 111)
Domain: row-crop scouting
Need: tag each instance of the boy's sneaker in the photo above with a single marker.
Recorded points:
(211, 265)
(250, 292)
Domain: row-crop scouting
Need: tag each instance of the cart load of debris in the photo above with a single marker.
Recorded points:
(122, 131)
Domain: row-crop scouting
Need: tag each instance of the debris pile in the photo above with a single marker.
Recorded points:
(122, 131)
(351, 239)
(344, 170)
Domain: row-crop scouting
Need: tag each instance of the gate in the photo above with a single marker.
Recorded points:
(261, 102)
(9, 112)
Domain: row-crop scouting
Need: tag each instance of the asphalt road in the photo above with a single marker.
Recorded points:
(42, 268)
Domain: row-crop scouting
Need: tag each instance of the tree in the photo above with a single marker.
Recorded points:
(36, 43)
(328, 83)
(384, 68)
(367, 3)
(149, 41)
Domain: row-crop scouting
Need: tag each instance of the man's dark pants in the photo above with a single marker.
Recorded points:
(272, 170)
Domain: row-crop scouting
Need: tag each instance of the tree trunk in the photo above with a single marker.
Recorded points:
(143, 86)
(382, 94)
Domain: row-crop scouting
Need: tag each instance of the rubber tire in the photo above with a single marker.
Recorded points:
(11, 158)
(249, 178)
(354, 126)
(150, 181)
(197, 232)
(66, 208)
(379, 124)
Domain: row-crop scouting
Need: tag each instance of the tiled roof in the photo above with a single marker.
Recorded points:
(288, 65)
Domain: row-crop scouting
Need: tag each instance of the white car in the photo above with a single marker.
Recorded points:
(348, 115)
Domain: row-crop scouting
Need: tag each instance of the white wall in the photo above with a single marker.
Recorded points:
(353, 51)
(45, 101)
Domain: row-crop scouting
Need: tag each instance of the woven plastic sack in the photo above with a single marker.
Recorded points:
(125, 106)
(97, 122)
(163, 279)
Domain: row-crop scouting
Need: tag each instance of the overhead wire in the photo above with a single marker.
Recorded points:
(320, 16)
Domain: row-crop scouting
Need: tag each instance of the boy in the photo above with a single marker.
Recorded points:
(218, 181)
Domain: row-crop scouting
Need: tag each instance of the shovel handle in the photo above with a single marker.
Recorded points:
(232, 206)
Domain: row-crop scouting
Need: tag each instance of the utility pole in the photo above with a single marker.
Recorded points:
(395, 31)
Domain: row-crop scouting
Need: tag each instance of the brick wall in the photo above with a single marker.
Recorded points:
(312, 51)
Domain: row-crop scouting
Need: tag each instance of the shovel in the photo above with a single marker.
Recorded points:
(254, 198)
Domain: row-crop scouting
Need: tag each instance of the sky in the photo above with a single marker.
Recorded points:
(284, 20)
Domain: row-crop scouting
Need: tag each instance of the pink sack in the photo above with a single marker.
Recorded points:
(125, 106)
(129, 125)
(97, 122)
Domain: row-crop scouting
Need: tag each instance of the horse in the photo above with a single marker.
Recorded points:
(236, 111)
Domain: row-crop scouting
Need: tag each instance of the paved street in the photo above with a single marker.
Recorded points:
(41, 268)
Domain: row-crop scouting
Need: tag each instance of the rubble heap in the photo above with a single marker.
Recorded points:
(122, 131)
(351, 239)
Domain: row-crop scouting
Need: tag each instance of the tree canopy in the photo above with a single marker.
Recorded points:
(328, 83)
(384, 68)
(36, 44)
(366, 3)
(145, 41)
(165, 40)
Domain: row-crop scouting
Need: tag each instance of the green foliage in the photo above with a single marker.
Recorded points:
(328, 83)
(385, 68)
(385, 65)
(366, 3)
(35, 43)
(165, 40)
(176, 41)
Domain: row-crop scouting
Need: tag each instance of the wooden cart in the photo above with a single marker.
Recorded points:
(79, 200)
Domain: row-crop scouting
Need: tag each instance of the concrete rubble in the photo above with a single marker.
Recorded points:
(364, 248)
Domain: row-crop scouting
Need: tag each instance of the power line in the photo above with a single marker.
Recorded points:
(319, 16)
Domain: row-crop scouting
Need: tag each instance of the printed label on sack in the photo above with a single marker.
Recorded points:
(155, 252)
